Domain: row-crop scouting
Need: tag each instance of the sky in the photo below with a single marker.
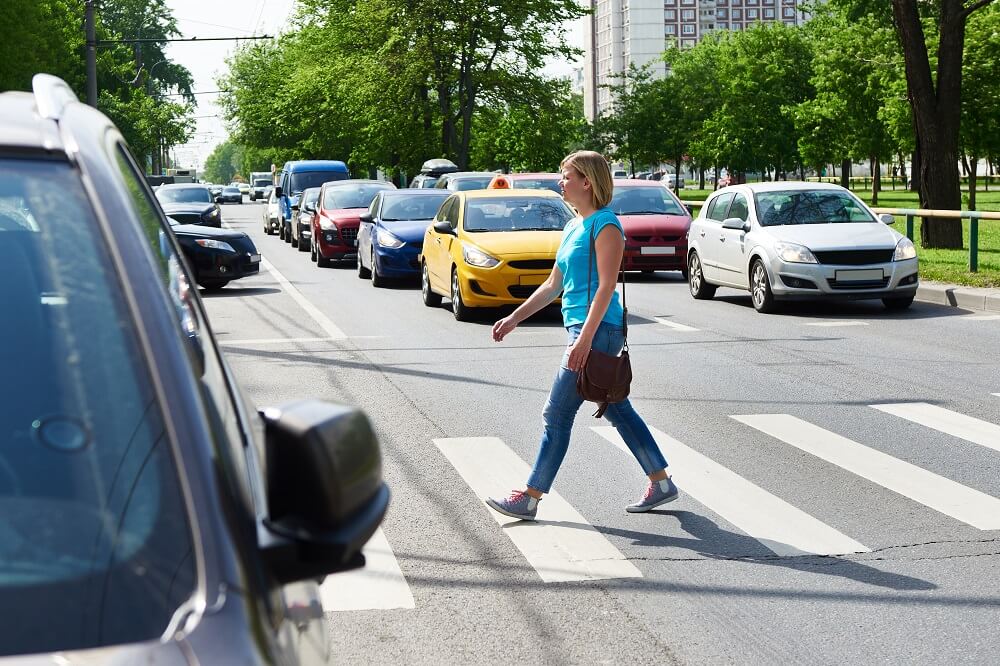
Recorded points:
(207, 60)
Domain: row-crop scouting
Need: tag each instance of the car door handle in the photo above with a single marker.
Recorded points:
(702, 234)
(722, 238)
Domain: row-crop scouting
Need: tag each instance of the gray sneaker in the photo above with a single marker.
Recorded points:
(659, 492)
(518, 504)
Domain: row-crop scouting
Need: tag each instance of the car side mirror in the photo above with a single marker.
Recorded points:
(366, 217)
(277, 191)
(444, 227)
(885, 218)
(309, 208)
(218, 199)
(325, 494)
(295, 206)
(735, 223)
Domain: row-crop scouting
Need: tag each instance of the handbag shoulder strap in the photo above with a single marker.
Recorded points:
(621, 276)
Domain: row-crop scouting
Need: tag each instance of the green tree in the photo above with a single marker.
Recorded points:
(41, 37)
(223, 163)
(981, 94)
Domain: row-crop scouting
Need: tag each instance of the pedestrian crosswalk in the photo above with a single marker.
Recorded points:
(563, 547)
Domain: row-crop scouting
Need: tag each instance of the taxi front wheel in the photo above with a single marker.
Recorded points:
(458, 307)
(431, 299)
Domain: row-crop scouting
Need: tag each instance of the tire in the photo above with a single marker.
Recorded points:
(293, 240)
(281, 232)
(760, 288)
(288, 234)
(304, 244)
(458, 307)
(431, 299)
(700, 289)
(898, 303)
(267, 227)
(321, 261)
(312, 252)
(684, 274)
(363, 273)
(377, 280)
(213, 285)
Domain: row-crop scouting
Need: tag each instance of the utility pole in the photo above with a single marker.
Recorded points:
(91, 32)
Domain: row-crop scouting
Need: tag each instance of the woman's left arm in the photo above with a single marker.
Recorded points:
(609, 246)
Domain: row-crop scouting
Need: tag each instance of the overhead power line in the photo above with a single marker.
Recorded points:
(110, 42)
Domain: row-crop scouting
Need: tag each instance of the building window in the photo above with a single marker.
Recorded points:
(687, 14)
(687, 3)
(669, 3)
(751, 14)
(687, 43)
(687, 29)
(670, 14)
(670, 29)
(722, 25)
(737, 14)
(723, 13)
(768, 13)
(788, 12)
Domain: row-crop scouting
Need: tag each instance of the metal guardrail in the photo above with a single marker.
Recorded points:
(972, 215)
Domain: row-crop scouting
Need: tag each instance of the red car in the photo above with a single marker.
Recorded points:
(656, 225)
(338, 216)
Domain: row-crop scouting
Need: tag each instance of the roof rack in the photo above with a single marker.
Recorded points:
(52, 94)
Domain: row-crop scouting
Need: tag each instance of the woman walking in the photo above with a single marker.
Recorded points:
(592, 323)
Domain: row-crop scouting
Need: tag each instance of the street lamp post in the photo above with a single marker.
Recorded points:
(91, 38)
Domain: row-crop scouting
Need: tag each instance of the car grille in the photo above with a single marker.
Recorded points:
(658, 239)
(533, 264)
(521, 291)
(867, 284)
(349, 235)
(855, 257)
(187, 218)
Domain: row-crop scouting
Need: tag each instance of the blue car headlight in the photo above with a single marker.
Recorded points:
(385, 239)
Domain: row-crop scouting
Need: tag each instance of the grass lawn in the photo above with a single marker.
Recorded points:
(941, 265)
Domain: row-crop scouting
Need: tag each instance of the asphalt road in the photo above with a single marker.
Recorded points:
(855, 430)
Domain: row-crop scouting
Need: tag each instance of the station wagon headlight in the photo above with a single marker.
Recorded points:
(385, 239)
(214, 244)
(476, 257)
(905, 249)
(794, 253)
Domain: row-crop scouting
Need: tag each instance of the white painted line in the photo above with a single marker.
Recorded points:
(273, 341)
(832, 324)
(943, 420)
(562, 546)
(950, 498)
(677, 327)
(378, 585)
(778, 525)
(997, 394)
(320, 318)
(981, 317)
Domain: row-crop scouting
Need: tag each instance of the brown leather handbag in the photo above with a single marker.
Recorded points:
(604, 378)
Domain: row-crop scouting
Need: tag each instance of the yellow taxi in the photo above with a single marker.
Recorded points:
(487, 248)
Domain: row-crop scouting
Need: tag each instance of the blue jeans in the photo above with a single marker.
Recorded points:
(563, 404)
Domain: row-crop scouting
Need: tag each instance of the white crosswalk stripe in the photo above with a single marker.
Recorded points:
(378, 585)
(779, 526)
(946, 421)
(683, 328)
(562, 546)
(950, 498)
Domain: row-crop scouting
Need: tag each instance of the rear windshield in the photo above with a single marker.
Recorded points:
(95, 543)
(261, 182)
(310, 196)
(655, 200)
(404, 207)
(303, 180)
(475, 183)
(184, 195)
(354, 195)
(516, 214)
(537, 184)
(809, 207)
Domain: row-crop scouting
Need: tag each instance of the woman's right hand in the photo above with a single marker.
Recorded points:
(503, 327)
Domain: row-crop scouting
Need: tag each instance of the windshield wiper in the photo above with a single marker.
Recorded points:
(643, 212)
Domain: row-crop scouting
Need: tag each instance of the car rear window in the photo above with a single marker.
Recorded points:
(403, 207)
(184, 195)
(95, 542)
(537, 184)
(353, 195)
(516, 214)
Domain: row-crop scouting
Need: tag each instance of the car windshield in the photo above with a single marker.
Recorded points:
(303, 180)
(96, 543)
(260, 182)
(472, 183)
(537, 184)
(310, 196)
(809, 207)
(649, 200)
(231, 190)
(403, 207)
(184, 195)
(354, 195)
(516, 214)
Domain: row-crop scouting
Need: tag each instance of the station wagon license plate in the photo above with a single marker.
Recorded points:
(658, 250)
(858, 276)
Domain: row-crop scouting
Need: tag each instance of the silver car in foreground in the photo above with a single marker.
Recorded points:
(793, 240)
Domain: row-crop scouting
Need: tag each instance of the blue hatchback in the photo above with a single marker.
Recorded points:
(392, 233)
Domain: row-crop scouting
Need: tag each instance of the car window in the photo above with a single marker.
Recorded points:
(96, 542)
(475, 183)
(303, 180)
(184, 195)
(809, 207)
(719, 207)
(739, 207)
(538, 184)
(515, 214)
(450, 212)
(401, 207)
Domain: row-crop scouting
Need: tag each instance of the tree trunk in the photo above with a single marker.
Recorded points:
(845, 174)
(701, 178)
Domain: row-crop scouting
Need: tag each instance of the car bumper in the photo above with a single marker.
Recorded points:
(398, 263)
(886, 280)
(656, 256)
(219, 265)
(304, 231)
(502, 285)
(337, 244)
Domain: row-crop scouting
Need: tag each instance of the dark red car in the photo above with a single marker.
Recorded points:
(656, 225)
(338, 216)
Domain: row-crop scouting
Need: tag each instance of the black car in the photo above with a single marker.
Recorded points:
(217, 256)
(301, 223)
(149, 516)
(230, 195)
(189, 204)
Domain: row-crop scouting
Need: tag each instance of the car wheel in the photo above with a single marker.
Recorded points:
(293, 240)
(896, 303)
(288, 234)
(281, 232)
(700, 289)
(312, 252)
(760, 288)
(458, 307)
(213, 285)
(267, 228)
(684, 273)
(363, 273)
(304, 244)
(377, 280)
(321, 261)
(431, 299)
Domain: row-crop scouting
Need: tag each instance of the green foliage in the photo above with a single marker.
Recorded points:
(224, 163)
(42, 36)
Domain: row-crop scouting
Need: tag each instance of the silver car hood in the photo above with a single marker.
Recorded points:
(840, 236)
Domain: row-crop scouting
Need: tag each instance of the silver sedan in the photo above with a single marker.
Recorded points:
(791, 240)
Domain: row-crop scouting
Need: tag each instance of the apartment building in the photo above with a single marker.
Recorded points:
(621, 33)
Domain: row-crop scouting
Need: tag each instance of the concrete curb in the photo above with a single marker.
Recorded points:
(968, 298)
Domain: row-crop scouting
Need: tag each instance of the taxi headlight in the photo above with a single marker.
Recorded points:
(476, 257)
(905, 249)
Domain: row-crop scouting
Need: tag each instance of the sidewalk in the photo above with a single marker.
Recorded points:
(968, 298)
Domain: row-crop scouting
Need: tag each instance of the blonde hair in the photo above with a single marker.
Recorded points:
(594, 168)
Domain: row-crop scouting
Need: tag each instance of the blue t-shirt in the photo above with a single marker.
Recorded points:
(571, 258)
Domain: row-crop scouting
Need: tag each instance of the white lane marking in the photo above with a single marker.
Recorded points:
(981, 317)
(781, 527)
(273, 341)
(997, 394)
(831, 324)
(950, 498)
(944, 420)
(320, 318)
(677, 327)
(562, 546)
(378, 585)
